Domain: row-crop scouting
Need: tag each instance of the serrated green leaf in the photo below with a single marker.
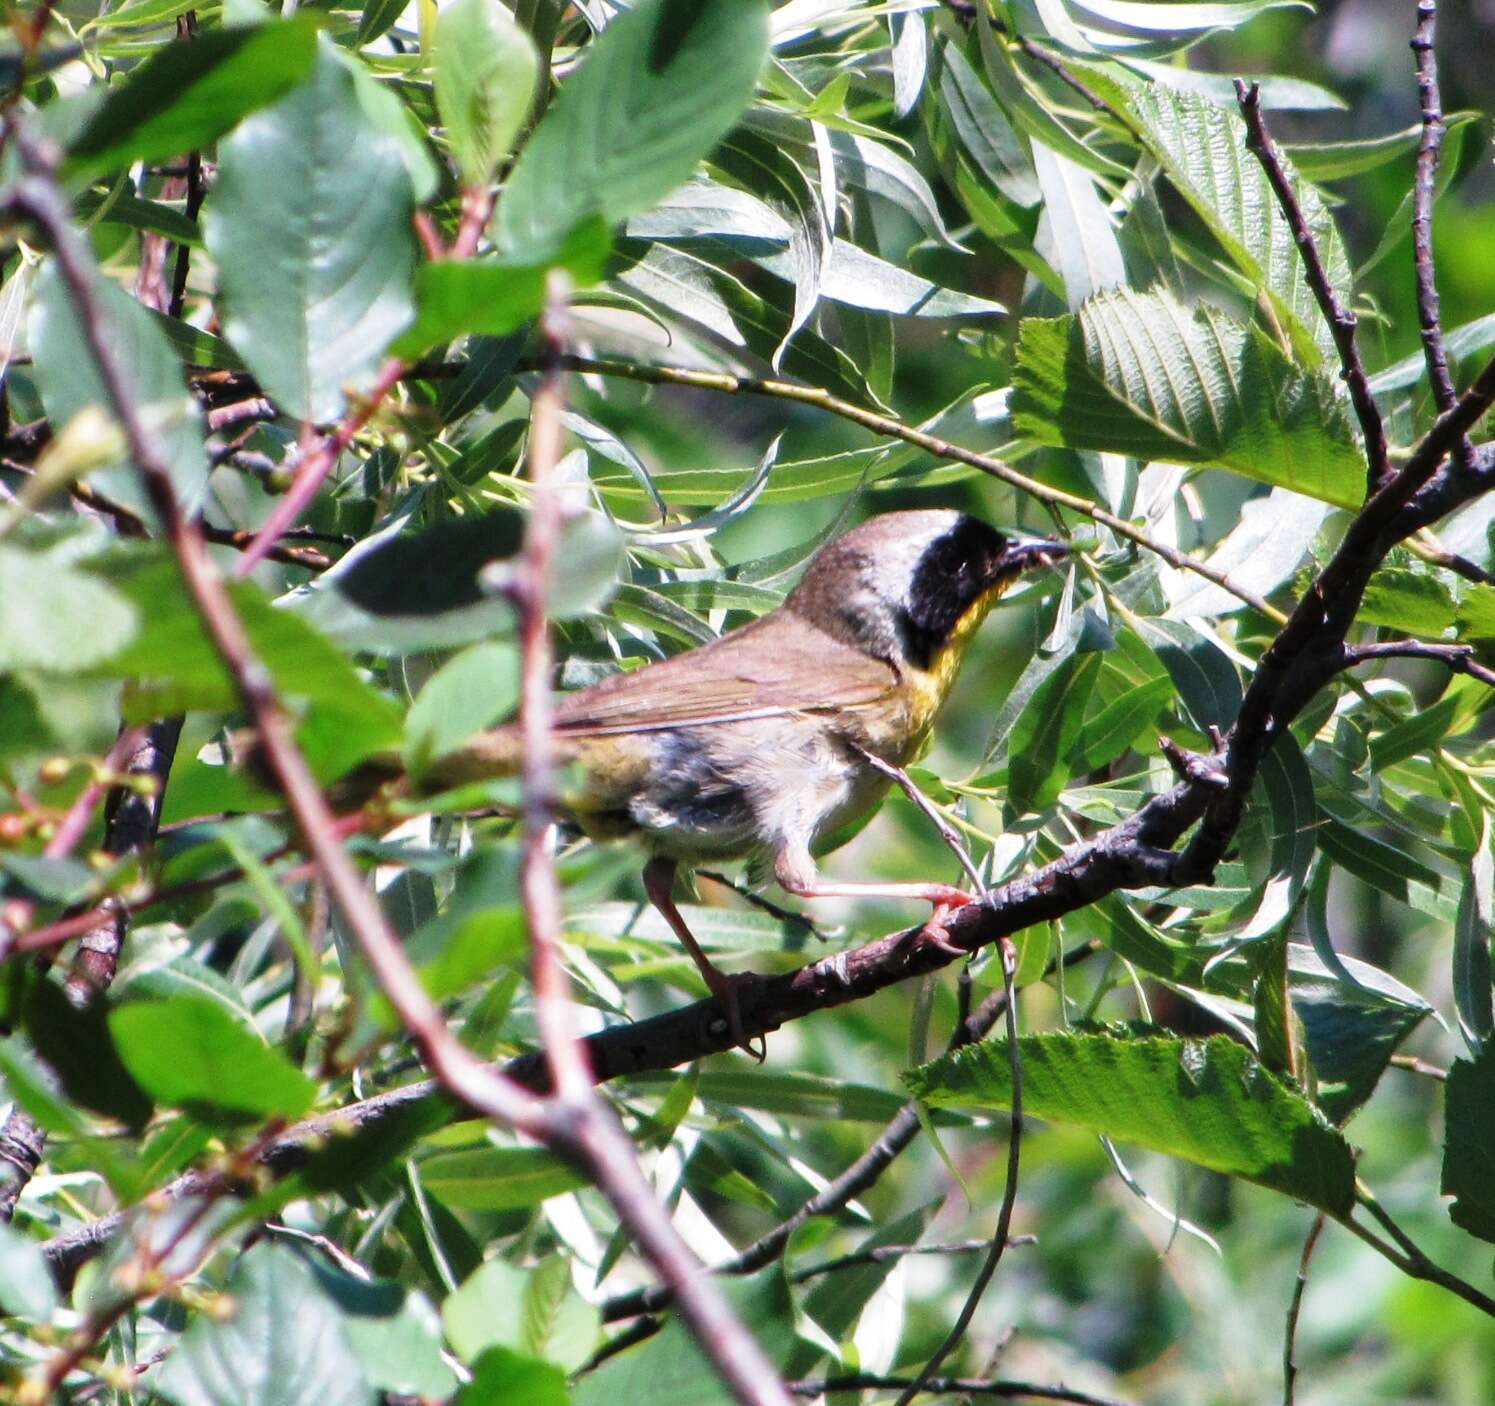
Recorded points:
(1202, 148)
(1140, 374)
(315, 199)
(1206, 1101)
(1411, 601)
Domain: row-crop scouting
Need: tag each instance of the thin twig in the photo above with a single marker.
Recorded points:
(1003, 1388)
(818, 396)
(923, 803)
(1424, 188)
(1289, 1361)
(999, 1241)
(1342, 320)
(1459, 658)
(591, 1141)
(539, 888)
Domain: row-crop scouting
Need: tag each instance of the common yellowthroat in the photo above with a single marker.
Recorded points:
(754, 746)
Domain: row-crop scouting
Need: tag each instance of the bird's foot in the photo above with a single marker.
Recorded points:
(725, 986)
(946, 900)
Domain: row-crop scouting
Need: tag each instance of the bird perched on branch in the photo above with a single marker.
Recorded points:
(755, 746)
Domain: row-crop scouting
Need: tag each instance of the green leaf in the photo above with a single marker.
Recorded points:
(671, 1367)
(1463, 341)
(441, 586)
(26, 1287)
(504, 1378)
(394, 1332)
(495, 1178)
(69, 380)
(1473, 997)
(314, 199)
(1140, 374)
(1206, 1101)
(657, 90)
(75, 1043)
(459, 297)
(1042, 745)
(1117, 726)
(1413, 602)
(171, 664)
(535, 1312)
(486, 72)
(473, 691)
(283, 1344)
(1337, 161)
(1181, 16)
(189, 1052)
(1351, 1027)
(189, 93)
(1202, 148)
(1469, 1143)
(988, 138)
(85, 620)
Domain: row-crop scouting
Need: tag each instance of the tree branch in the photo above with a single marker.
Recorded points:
(1000, 1387)
(1342, 321)
(1424, 189)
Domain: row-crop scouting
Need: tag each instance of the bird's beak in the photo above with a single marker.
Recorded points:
(1023, 556)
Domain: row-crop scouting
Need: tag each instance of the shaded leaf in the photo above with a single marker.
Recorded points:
(1469, 1143)
(188, 94)
(1206, 1101)
(283, 1344)
(486, 72)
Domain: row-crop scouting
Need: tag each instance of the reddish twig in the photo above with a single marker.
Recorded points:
(314, 467)
(1342, 321)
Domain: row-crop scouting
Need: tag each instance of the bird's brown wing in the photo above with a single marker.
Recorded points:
(773, 666)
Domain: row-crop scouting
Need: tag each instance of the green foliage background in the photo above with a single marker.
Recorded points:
(1107, 300)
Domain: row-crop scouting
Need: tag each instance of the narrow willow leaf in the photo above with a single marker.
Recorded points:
(1206, 680)
(1469, 1143)
(314, 199)
(1202, 147)
(1183, 16)
(1042, 748)
(862, 280)
(1467, 340)
(486, 71)
(1258, 554)
(498, 1178)
(1337, 161)
(1473, 998)
(1085, 248)
(910, 60)
(984, 130)
(1138, 373)
(658, 89)
(1206, 1101)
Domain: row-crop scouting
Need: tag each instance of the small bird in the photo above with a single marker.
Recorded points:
(756, 746)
